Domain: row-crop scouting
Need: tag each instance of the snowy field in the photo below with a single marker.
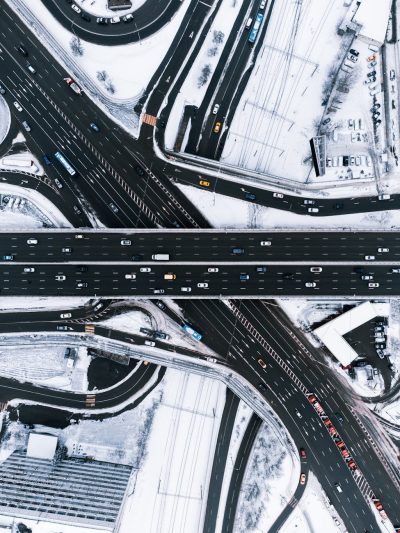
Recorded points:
(5, 119)
(281, 104)
(225, 212)
(99, 8)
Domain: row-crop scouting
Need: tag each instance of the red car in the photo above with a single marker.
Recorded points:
(303, 454)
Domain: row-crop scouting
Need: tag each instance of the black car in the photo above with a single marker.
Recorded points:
(81, 268)
(338, 206)
(139, 170)
(339, 417)
(85, 16)
(250, 196)
(371, 74)
(22, 50)
(161, 304)
(359, 270)
(137, 257)
(288, 275)
(354, 52)
(262, 387)
(345, 160)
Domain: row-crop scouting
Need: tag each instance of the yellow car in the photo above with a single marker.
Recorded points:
(217, 127)
(261, 363)
(204, 183)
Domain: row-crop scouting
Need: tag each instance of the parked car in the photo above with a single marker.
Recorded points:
(65, 315)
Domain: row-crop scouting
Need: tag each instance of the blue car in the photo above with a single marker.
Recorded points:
(8, 258)
(46, 159)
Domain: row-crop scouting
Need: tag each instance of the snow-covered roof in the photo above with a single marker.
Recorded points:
(41, 446)
(331, 334)
(373, 16)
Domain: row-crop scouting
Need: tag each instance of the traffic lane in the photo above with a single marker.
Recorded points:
(189, 280)
(207, 246)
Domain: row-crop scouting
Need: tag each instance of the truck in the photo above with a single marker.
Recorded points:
(74, 86)
(160, 257)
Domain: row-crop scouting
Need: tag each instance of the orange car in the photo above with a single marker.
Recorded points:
(217, 127)
(371, 58)
(261, 363)
(204, 183)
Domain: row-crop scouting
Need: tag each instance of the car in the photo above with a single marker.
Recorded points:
(303, 454)
(372, 57)
(338, 487)
(315, 270)
(98, 307)
(169, 276)
(79, 236)
(384, 197)
(62, 328)
(265, 243)
(81, 268)
(238, 251)
(277, 195)
(204, 183)
(81, 285)
(26, 126)
(383, 250)
(8, 258)
(102, 20)
(250, 196)
(46, 159)
(65, 315)
(375, 107)
(30, 68)
(352, 58)
(29, 269)
(354, 52)
(298, 413)
(380, 354)
(58, 183)
(2, 90)
(338, 206)
(371, 74)
(310, 284)
(149, 343)
(326, 121)
(212, 269)
(339, 417)
(61, 277)
(217, 127)
(244, 277)
(139, 170)
(372, 64)
(396, 270)
(302, 478)
(85, 16)
(137, 257)
(32, 240)
(313, 210)
(261, 363)
(392, 75)
(288, 275)
(128, 18)
(369, 258)
(126, 242)
(145, 269)
(261, 269)
(373, 285)
(76, 8)
(215, 109)
(130, 276)
(202, 285)
(17, 106)
(94, 126)
(66, 250)
(22, 50)
(367, 277)
(158, 291)
(115, 20)
(309, 202)
(186, 289)
(113, 207)
(262, 4)
(161, 305)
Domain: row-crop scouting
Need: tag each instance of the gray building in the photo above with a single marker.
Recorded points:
(71, 491)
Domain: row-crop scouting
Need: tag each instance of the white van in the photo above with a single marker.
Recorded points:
(384, 197)
(160, 257)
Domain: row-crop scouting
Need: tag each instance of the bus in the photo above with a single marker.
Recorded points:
(192, 332)
(256, 27)
(68, 167)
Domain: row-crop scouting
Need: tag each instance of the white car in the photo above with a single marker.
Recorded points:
(65, 315)
(298, 413)
(373, 285)
(130, 276)
(79, 236)
(125, 242)
(265, 243)
(313, 210)
(213, 269)
(67, 250)
(16, 104)
(76, 8)
(277, 195)
(32, 241)
(369, 258)
(315, 270)
(149, 343)
(310, 284)
(98, 306)
(186, 289)
(202, 285)
(115, 20)
(145, 269)
(81, 285)
(215, 109)
(61, 278)
(211, 359)
(382, 250)
(29, 269)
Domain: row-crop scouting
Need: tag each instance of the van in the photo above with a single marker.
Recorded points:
(160, 257)
(169, 275)
(384, 197)
(248, 23)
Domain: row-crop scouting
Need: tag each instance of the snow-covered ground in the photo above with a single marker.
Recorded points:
(281, 103)
(34, 304)
(99, 8)
(5, 119)
(197, 81)
(271, 477)
(45, 365)
(225, 212)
